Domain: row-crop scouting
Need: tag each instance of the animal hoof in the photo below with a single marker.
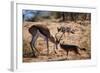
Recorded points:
(33, 56)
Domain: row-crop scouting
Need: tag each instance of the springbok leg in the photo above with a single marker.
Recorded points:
(33, 50)
(34, 41)
(55, 47)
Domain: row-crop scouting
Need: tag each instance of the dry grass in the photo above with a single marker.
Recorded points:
(81, 38)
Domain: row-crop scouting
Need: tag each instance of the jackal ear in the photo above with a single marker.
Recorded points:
(63, 42)
(58, 29)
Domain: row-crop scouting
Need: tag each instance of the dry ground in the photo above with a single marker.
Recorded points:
(81, 38)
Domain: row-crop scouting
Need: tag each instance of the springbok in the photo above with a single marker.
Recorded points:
(42, 31)
(68, 47)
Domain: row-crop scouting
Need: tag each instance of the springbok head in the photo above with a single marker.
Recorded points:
(58, 39)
